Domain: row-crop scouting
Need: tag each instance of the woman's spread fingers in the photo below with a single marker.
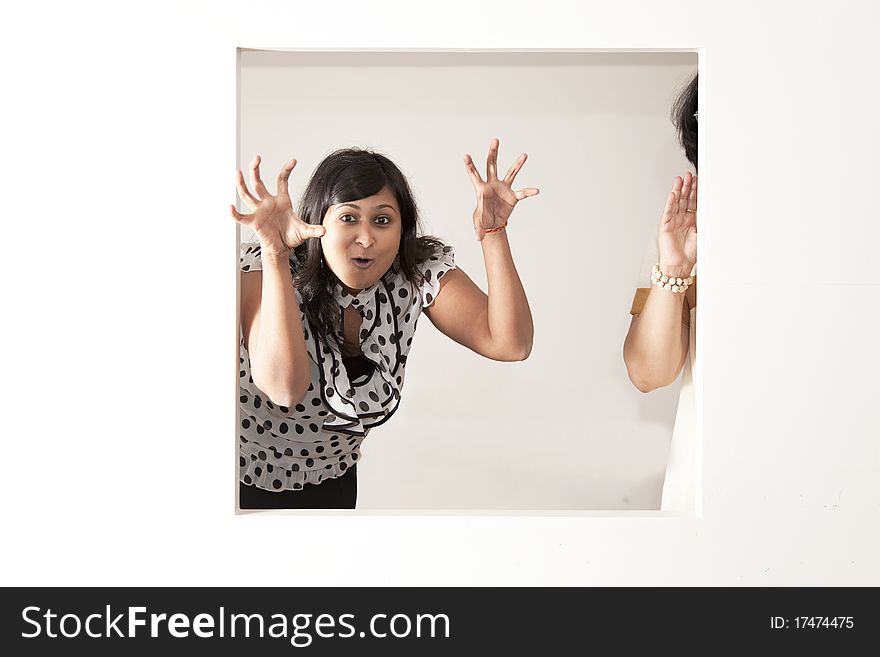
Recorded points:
(492, 161)
(677, 184)
(244, 193)
(238, 216)
(526, 192)
(472, 170)
(259, 188)
(514, 169)
(283, 176)
(306, 231)
(670, 208)
(685, 193)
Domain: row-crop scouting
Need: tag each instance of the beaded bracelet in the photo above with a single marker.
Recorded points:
(670, 283)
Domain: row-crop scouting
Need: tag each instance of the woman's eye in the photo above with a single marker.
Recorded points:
(383, 220)
(347, 218)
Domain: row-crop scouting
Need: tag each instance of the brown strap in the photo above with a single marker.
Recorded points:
(639, 300)
(690, 296)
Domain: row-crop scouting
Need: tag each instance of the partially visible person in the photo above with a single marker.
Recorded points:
(661, 338)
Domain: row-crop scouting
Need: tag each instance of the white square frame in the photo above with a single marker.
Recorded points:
(790, 445)
(403, 52)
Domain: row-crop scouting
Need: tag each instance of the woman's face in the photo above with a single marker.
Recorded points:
(362, 238)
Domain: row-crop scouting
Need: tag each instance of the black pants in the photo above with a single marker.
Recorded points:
(339, 493)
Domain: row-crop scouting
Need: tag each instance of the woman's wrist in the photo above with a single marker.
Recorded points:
(274, 256)
(496, 240)
(272, 247)
(494, 234)
(496, 229)
(672, 282)
(676, 270)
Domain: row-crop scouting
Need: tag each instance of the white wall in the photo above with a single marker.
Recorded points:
(120, 318)
(565, 429)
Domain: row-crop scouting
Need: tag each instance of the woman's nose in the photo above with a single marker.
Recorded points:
(364, 237)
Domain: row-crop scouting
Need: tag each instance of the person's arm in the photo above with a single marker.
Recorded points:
(498, 325)
(270, 316)
(273, 333)
(657, 343)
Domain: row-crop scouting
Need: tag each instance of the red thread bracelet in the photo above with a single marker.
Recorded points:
(495, 230)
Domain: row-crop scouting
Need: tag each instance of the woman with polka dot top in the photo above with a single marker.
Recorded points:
(330, 300)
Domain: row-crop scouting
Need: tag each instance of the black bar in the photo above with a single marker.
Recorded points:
(515, 620)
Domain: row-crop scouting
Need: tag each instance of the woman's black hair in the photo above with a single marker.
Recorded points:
(684, 118)
(350, 174)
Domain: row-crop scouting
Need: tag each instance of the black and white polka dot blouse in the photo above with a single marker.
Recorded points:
(284, 448)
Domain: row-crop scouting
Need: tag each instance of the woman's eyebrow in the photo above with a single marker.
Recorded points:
(377, 207)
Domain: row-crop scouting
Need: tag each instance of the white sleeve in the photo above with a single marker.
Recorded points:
(433, 269)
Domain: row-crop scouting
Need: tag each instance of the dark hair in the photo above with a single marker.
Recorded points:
(683, 110)
(345, 175)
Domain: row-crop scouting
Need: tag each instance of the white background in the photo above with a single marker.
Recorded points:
(564, 429)
(118, 317)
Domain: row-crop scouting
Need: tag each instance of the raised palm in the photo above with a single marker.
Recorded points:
(495, 198)
(273, 220)
(677, 235)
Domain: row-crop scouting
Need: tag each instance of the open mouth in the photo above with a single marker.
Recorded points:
(363, 263)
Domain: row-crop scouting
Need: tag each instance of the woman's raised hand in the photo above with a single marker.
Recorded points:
(677, 236)
(273, 220)
(495, 198)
